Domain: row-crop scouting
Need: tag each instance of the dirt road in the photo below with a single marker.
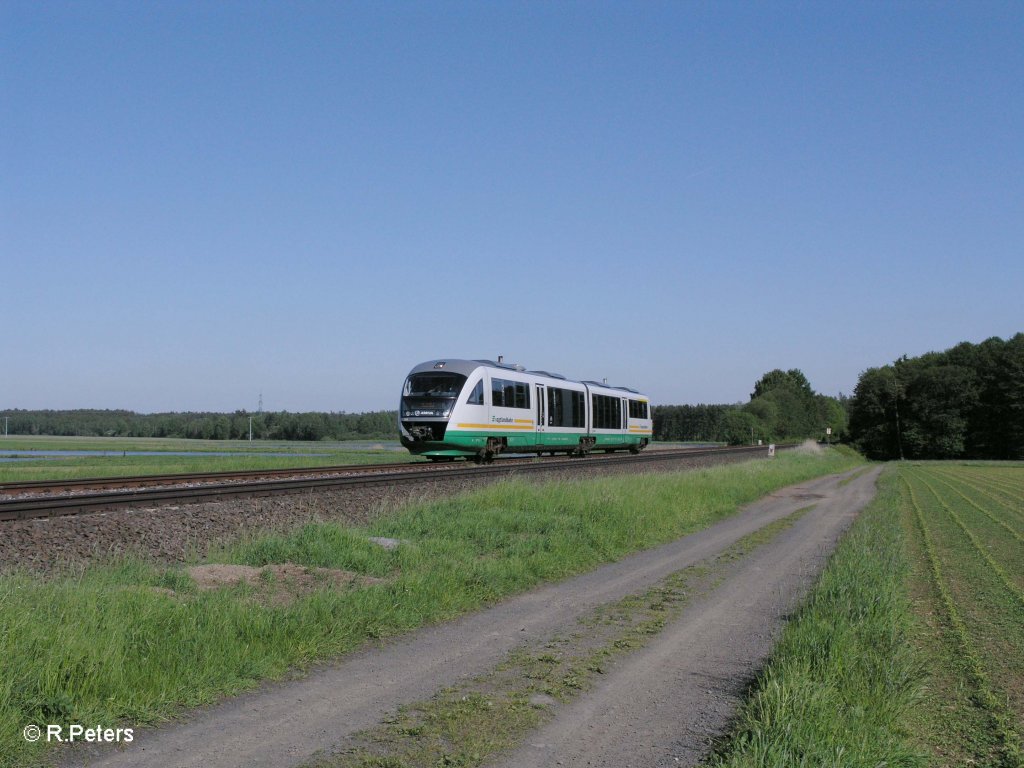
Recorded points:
(658, 705)
(663, 705)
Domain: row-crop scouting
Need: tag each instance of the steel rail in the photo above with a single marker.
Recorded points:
(191, 478)
(58, 506)
(128, 481)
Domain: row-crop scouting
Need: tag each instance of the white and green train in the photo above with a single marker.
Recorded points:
(478, 408)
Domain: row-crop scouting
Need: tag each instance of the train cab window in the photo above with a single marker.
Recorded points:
(510, 394)
(431, 394)
(434, 385)
(476, 397)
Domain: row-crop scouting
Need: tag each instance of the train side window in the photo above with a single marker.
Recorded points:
(638, 409)
(522, 395)
(579, 408)
(607, 412)
(555, 407)
(510, 394)
(566, 408)
(476, 397)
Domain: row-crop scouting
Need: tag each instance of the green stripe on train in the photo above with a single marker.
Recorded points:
(456, 442)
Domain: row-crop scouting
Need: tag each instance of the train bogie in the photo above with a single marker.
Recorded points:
(478, 409)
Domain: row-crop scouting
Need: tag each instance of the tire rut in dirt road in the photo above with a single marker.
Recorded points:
(664, 704)
(285, 724)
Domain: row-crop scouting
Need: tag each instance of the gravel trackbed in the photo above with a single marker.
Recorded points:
(659, 706)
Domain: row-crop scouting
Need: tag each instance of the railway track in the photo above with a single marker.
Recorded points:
(56, 499)
(57, 487)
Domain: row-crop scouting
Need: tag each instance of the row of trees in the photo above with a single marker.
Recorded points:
(966, 402)
(782, 407)
(378, 425)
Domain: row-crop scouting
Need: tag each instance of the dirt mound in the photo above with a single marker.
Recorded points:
(277, 584)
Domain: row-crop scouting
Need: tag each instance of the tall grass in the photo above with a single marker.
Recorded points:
(132, 642)
(844, 676)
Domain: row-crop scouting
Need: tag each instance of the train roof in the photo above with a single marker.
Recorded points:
(466, 367)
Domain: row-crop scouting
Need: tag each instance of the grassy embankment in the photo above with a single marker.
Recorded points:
(258, 455)
(910, 650)
(132, 642)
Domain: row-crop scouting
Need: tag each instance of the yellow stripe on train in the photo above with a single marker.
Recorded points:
(495, 427)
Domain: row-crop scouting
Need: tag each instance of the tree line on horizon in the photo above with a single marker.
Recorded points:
(964, 403)
(270, 425)
(782, 407)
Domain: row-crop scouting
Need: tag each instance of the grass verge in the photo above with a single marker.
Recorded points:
(843, 676)
(130, 643)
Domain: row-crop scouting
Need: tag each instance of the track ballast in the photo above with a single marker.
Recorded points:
(56, 499)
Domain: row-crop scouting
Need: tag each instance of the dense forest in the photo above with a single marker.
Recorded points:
(966, 402)
(782, 407)
(378, 425)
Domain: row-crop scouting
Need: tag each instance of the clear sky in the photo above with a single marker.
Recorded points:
(203, 201)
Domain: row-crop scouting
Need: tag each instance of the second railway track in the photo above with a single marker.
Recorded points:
(41, 500)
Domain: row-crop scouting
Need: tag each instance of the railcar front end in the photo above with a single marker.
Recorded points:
(429, 398)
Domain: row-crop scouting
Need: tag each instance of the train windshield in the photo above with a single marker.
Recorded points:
(431, 394)
(434, 385)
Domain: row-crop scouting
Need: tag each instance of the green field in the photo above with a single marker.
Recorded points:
(964, 525)
(135, 643)
(910, 650)
(124, 465)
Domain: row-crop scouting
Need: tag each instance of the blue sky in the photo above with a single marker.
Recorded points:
(200, 202)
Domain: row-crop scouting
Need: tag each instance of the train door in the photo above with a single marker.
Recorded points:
(624, 425)
(541, 413)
